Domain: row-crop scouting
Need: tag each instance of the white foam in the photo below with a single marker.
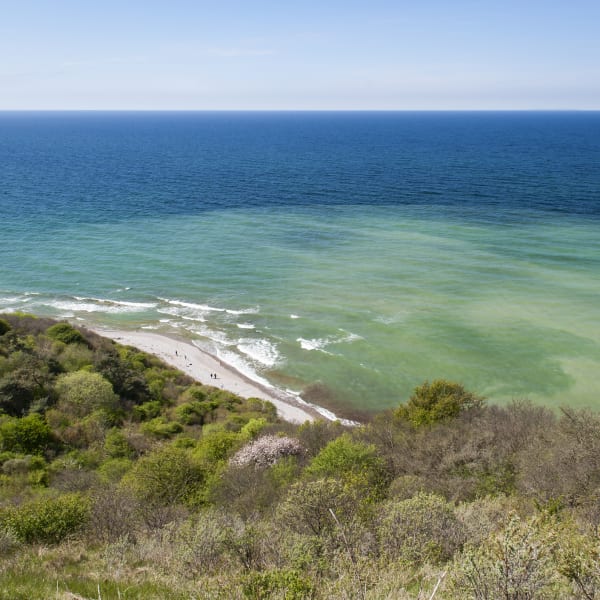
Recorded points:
(11, 299)
(90, 306)
(321, 343)
(193, 306)
(207, 308)
(243, 311)
(125, 303)
(314, 344)
(294, 316)
(245, 325)
(261, 351)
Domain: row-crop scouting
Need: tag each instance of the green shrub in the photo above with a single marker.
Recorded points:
(437, 401)
(63, 332)
(216, 446)
(165, 476)
(117, 445)
(28, 435)
(81, 393)
(147, 410)
(278, 583)
(161, 428)
(352, 461)
(47, 521)
(114, 469)
(192, 413)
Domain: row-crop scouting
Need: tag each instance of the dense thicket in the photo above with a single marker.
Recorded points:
(122, 477)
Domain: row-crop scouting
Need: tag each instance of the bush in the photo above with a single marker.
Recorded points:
(161, 428)
(28, 435)
(192, 413)
(516, 563)
(437, 401)
(167, 475)
(278, 583)
(308, 505)
(82, 392)
(421, 529)
(63, 332)
(266, 451)
(117, 445)
(47, 521)
(353, 461)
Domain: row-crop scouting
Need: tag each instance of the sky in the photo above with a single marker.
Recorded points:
(300, 55)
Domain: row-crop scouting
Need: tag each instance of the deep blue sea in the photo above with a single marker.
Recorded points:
(363, 252)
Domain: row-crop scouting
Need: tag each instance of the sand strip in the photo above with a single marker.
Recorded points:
(199, 365)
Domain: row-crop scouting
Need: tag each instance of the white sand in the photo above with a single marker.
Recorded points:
(199, 365)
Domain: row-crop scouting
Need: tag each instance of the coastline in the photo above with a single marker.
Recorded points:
(199, 365)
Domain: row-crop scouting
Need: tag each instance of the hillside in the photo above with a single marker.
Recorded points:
(124, 478)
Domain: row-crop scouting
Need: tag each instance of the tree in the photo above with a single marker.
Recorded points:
(437, 401)
(82, 392)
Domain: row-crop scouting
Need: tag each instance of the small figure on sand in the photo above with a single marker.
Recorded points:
(176, 353)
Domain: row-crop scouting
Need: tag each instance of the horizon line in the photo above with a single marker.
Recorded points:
(290, 110)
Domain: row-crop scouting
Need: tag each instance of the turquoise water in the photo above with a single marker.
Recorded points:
(365, 252)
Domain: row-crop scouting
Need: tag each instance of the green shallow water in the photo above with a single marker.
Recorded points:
(368, 302)
(364, 252)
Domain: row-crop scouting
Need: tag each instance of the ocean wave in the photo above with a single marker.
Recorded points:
(294, 316)
(125, 303)
(314, 344)
(245, 325)
(91, 305)
(261, 351)
(321, 343)
(207, 308)
(178, 312)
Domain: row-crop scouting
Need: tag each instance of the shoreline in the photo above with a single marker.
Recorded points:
(199, 364)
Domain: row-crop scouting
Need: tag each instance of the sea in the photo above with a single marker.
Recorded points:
(345, 256)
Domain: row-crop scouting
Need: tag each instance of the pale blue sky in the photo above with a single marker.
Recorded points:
(262, 54)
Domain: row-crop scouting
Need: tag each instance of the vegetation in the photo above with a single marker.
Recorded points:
(122, 478)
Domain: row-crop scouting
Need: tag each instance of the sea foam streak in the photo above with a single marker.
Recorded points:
(208, 308)
(321, 343)
(90, 305)
(261, 351)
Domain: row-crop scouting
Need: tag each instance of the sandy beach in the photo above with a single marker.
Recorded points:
(199, 365)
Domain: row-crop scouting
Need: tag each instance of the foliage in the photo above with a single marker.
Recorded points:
(437, 401)
(63, 332)
(283, 583)
(47, 521)
(420, 529)
(141, 483)
(514, 564)
(165, 476)
(353, 461)
(266, 451)
(28, 435)
(83, 392)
